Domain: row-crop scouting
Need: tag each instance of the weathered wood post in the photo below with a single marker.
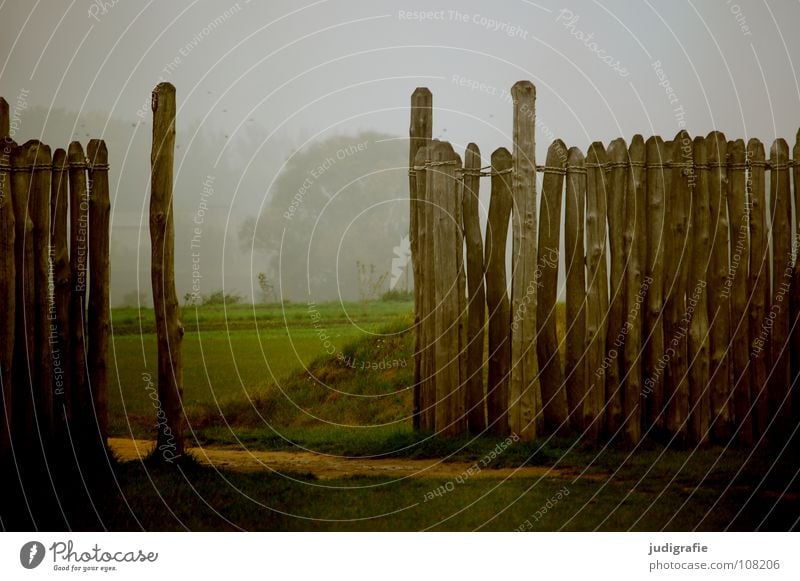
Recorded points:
(80, 400)
(759, 282)
(739, 212)
(39, 210)
(5, 125)
(99, 309)
(719, 301)
(597, 291)
(795, 317)
(476, 301)
(427, 323)
(698, 342)
(782, 269)
(554, 395)
(420, 132)
(449, 385)
(169, 330)
(22, 158)
(654, 322)
(8, 295)
(59, 315)
(525, 398)
(575, 263)
(677, 260)
(497, 293)
(617, 154)
(636, 290)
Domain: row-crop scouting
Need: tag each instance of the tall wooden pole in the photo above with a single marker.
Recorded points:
(795, 317)
(5, 125)
(636, 290)
(420, 133)
(427, 323)
(698, 341)
(597, 291)
(759, 283)
(476, 294)
(575, 262)
(719, 300)
(99, 310)
(59, 314)
(169, 330)
(739, 212)
(80, 400)
(525, 398)
(654, 323)
(497, 293)
(782, 269)
(554, 396)
(8, 296)
(39, 209)
(615, 338)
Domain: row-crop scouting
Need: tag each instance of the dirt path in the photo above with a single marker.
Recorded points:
(327, 467)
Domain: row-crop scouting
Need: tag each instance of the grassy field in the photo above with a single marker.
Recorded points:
(233, 355)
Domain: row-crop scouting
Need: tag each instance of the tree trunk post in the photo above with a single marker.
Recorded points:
(80, 400)
(169, 330)
(5, 121)
(497, 293)
(420, 132)
(554, 396)
(636, 291)
(698, 341)
(8, 297)
(782, 270)
(525, 398)
(759, 283)
(575, 263)
(739, 212)
(594, 405)
(59, 315)
(476, 306)
(99, 310)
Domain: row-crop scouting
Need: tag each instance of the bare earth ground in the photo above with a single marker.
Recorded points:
(329, 467)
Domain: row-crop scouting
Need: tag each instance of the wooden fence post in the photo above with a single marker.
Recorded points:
(99, 309)
(677, 259)
(554, 396)
(425, 281)
(719, 302)
(597, 290)
(59, 315)
(39, 209)
(575, 263)
(617, 179)
(420, 133)
(476, 306)
(7, 296)
(654, 322)
(497, 293)
(169, 329)
(739, 212)
(636, 290)
(525, 398)
(782, 269)
(80, 402)
(24, 359)
(795, 320)
(449, 387)
(698, 342)
(5, 125)
(759, 283)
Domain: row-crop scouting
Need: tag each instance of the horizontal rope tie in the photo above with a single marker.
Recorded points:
(97, 166)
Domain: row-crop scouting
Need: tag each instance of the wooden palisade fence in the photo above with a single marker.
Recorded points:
(682, 287)
(54, 220)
